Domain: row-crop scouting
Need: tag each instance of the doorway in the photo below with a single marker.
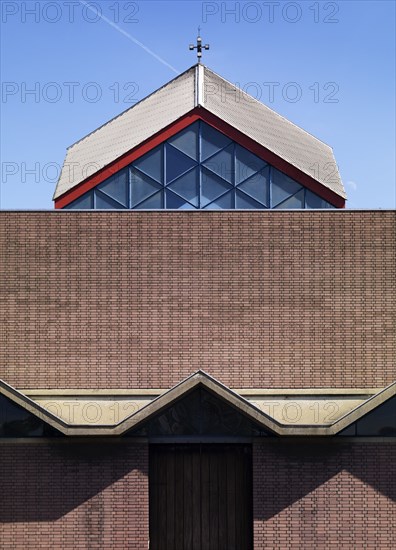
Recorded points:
(201, 497)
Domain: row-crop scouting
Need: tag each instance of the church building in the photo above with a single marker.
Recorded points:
(198, 343)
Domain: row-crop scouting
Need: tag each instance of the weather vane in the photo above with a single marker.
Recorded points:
(199, 47)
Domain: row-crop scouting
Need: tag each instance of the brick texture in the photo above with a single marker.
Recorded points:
(314, 497)
(306, 497)
(143, 299)
(68, 496)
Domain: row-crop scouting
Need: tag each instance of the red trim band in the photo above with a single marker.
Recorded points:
(199, 113)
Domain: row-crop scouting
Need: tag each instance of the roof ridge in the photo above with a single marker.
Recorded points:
(266, 106)
(175, 98)
(122, 113)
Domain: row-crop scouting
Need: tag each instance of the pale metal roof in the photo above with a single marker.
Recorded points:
(199, 86)
(129, 129)
(271, 130)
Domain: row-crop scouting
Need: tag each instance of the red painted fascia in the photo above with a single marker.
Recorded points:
(199, 113)
(273, 159)
(126, 159)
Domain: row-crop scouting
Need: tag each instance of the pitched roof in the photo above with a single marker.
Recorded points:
(199, 87)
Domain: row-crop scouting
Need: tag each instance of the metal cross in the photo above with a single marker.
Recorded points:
(199, 47)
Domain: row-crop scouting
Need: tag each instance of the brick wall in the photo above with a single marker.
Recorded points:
(306, 496)
(257, 299)
(324, 496)
(68, 496)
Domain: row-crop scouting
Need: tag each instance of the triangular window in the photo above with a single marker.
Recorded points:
(380, 422)
(199, 413)
(206, 169)
(15, 421)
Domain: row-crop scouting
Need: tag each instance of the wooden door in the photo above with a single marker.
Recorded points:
(201, 497)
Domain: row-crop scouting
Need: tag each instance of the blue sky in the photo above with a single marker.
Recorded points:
(68, 67)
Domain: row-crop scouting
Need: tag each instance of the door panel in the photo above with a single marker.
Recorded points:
(201, 497)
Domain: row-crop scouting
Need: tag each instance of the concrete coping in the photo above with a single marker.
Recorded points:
(275, 410)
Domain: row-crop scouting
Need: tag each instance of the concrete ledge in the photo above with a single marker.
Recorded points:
(114, 412)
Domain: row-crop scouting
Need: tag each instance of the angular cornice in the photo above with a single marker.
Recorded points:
(198, 379)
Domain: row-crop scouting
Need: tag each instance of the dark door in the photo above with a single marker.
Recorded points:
(201, 497)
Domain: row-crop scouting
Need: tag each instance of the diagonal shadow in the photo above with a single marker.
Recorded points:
(43, 482)
(287, 471)
(376, 466)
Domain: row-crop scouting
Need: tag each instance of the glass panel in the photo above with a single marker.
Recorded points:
(244, 201)
(187, 141)
(174, 201)
(187, 186)
(222, 163)
(15, 421)
(85, 202)
(153, 203)
(212, 187)
(350, 431)
(116, 187)
(151, 163)
(257, 186)
(246, 164)
(282, 187)
(314, 201)
(142, 187)
(176, 163)
(296, 201)
(106, 203)
(200, 413)
(226, 202)
(211, 141)
(380, 422)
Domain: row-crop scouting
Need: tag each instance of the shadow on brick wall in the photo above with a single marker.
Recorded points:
(41, 482)
(285, 472)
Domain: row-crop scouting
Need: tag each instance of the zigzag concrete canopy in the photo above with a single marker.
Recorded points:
(310, 412)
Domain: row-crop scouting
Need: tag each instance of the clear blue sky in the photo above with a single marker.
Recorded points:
(332, 62)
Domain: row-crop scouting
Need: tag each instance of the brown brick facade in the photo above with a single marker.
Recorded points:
(66, 496)
(256, 299)
(324, 496)
(306, 497)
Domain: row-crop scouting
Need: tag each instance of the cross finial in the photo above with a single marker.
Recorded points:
(199, 47)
